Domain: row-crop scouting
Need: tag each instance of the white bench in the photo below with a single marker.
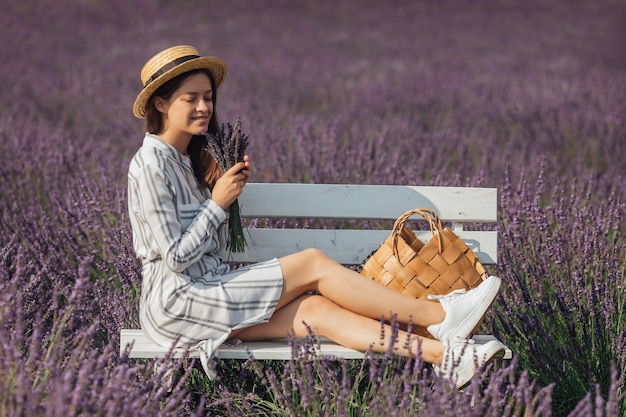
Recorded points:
(347, 205)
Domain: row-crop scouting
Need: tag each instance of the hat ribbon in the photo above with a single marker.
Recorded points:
(169, 66)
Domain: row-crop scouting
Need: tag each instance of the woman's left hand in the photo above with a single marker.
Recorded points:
(246, 170)
(230, 185)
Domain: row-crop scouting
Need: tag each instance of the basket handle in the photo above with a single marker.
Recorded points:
(429, 215)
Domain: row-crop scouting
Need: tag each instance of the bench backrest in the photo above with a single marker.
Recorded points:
(347, 204)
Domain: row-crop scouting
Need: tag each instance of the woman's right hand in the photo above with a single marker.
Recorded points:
(230, 185)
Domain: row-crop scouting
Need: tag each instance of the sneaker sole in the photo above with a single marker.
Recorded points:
(475, 329)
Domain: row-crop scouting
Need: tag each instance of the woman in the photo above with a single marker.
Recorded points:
(178, 200)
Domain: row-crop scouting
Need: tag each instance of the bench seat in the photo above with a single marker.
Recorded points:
(279, 349)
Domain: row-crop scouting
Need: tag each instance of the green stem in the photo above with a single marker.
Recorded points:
(237, 241)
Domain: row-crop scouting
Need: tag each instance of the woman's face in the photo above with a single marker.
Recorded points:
(190, 108)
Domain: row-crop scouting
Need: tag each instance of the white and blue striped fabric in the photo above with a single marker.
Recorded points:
(189, 296)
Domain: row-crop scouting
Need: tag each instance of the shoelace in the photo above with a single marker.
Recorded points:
(450, 363)
(457, 343)
(450, 294)
(459, 340)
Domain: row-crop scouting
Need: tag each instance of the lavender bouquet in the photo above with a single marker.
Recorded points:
(228, 147)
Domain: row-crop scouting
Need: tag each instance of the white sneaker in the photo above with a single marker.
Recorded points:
(462, 358)
(464, 310)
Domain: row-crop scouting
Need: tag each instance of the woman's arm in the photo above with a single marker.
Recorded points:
(153, 202)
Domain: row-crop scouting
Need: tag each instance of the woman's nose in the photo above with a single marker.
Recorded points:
(204, 105)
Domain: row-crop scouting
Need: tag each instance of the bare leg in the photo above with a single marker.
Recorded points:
(312, 270)
(340, 325)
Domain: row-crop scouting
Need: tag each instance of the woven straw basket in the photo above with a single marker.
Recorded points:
(407, 265)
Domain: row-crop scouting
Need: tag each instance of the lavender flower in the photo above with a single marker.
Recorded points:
(227, 147)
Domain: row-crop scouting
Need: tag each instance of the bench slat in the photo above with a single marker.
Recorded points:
(349, 247)
(350, 201)
(266, 350)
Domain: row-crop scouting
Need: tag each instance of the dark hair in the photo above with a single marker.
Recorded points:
(204, 166)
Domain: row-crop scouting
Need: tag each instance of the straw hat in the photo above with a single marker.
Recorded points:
(168, 64)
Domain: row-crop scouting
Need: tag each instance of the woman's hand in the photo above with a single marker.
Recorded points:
(230, 185)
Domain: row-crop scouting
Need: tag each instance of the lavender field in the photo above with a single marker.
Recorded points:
(525, 96)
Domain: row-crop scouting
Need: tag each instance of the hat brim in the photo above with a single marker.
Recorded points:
(214, 65)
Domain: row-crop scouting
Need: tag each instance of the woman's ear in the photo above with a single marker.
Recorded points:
(160, 104)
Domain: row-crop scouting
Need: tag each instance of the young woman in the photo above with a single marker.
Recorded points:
(178, 200)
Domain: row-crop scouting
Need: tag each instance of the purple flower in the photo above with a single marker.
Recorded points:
(227, 147)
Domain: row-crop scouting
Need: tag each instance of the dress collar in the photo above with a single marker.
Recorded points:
(156, 142)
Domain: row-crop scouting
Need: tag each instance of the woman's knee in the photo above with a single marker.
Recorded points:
(317, 309)
(318, 259)
(306, 258)
(303, 270)
(315, 254)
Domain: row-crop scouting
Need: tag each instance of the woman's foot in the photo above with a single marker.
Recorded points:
(464, 310)
(462, 358)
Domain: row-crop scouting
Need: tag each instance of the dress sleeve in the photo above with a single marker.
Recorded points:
(156, 210)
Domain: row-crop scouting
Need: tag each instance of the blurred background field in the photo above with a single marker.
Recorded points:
(528, 97)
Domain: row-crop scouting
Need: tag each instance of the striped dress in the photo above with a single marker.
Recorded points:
(188, 294)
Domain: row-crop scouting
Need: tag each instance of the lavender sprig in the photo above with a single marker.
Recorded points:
(227, 147)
